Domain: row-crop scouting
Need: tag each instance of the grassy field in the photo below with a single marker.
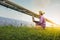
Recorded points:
(28, 33)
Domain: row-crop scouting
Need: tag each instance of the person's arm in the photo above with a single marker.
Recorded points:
(33, 18)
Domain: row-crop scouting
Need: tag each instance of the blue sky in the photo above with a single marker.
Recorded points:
(51, 8)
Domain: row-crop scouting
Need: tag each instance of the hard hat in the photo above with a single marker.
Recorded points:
(41, 12)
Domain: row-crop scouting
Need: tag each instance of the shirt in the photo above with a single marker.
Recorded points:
(42, 21)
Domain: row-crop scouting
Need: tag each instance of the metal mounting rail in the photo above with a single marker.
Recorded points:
(18, 8)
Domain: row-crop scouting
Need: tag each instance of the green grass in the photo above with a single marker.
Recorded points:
(26, 33)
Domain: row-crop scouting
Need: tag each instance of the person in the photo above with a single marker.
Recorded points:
(42, 21)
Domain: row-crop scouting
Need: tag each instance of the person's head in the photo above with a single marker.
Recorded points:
(41, 13)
